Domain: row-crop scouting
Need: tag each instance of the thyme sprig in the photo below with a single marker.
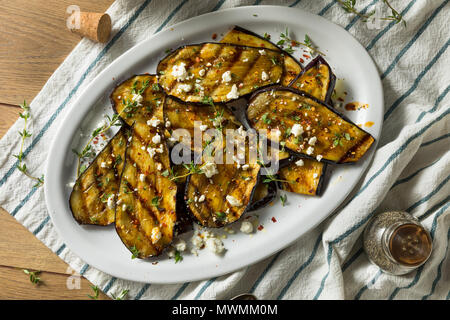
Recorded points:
(349, 6)
(192, 169)
(22, 167)
(96, 293)
(87, 149)
(33, 276)
(395, 15)
(290, 43)
(121, 296)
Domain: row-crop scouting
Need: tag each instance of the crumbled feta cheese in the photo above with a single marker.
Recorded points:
(180, 245)
(246, 227)
(299, 163)
(201, 72)
(179, 71)
(312, 141)
(171, 253)
(233, 94)
(119, 202)
(197, 241)
(319, 157)
(245, 167)
(158, 166)
(209, 64)
(142, 177)
(137, 98)
(124, 207)
(210, 169)
(110, 202)
(168, 124)
(226, 76)
(184, 88)
(156, 138)
(308, 128)
(154, 122)
(264, 76)
(215, 245)
(160, 149)
(233, 201)
(297, 130)
(315, 175)
(262, 52)
(156, 235)
(151, 152)
(245, 60)
(202, 198)
(203, 127)
(309, 151)
(103, 165)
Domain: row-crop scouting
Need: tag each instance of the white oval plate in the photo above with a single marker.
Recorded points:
(102, 248)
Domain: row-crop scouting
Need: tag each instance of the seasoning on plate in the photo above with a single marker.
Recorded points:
(396, 242)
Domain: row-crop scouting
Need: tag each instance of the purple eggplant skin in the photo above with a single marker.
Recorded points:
(306, 95)
(331, 81)
(272, 192)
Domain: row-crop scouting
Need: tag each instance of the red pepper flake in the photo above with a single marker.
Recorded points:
(301, 60)
(95, 142)
(260, 227)
(306, 56)
(214, 36)
(274, 220)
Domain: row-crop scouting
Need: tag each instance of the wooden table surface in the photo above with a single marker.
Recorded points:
(33, 43)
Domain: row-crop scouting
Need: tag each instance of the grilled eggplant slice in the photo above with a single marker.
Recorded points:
(306, 179)
(138, 99)
(308, 126)
(227, 194)
(146, 212)
(94, 195)
(241, 36)
(189, 116)
(219, 194)
(218, 72)
(265, 193)
(317, 79)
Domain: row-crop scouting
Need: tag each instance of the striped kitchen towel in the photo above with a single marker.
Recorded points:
(410, 170)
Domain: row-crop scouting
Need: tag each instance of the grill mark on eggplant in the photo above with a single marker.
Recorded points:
(138, 172)
(205, 203)
(262, 42)
(231, 63)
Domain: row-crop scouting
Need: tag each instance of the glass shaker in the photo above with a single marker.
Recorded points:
(396, 242)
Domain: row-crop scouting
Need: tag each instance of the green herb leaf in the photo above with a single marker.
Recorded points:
(178, 256)
(283, 199)
(96, 293)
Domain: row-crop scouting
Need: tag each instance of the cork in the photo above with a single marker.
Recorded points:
(95, 26)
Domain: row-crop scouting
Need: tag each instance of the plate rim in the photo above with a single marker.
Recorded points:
(115, 64)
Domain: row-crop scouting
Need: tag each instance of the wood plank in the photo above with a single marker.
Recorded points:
(20, 248)
(9, 116)
(15, 284)
(34, 42)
